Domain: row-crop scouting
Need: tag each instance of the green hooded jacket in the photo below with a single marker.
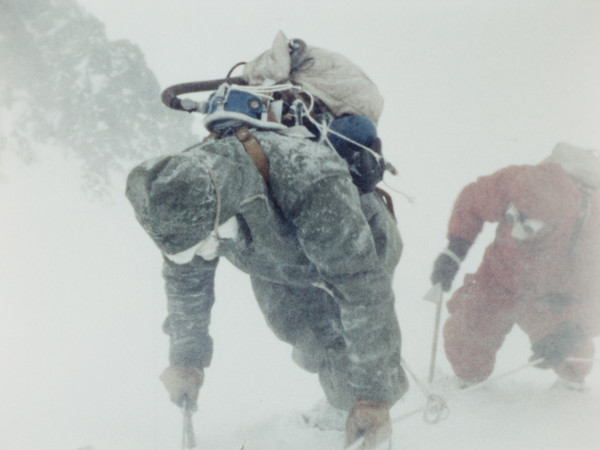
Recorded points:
(308, 227)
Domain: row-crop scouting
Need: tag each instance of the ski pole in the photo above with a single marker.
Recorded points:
(434, 295)
(188, 438)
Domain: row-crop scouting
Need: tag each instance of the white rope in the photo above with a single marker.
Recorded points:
(323, 129)
(474, 387)
(213, 178)
(435, 408)
(436, 405)
(410, 198)
(265, 88)
(264, 91)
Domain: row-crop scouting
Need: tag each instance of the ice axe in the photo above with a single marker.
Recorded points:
(434, 295)
(188, 439)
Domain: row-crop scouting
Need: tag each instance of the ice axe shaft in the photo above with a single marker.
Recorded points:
(434, 295)
(188, 438)
(360, 442)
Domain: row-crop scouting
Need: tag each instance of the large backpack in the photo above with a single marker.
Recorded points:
(583, 165)
(290, 85)
(345, 103)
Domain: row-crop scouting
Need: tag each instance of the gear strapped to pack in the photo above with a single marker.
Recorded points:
(583, 166)
(296, 86)
(278, 107)
(235, 109)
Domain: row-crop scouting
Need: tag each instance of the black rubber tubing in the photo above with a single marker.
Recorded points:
(170, 95)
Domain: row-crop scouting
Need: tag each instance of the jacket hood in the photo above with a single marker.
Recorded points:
(178, 199)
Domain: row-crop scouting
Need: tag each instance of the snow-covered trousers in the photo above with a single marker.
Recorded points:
(308, 318)
(482, 313)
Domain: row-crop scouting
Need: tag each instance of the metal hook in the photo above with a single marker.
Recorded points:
(436, 409)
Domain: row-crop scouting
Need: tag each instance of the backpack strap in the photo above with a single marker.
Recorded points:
(254, 150)
(387, 200)
(583, 214)
(261, 162)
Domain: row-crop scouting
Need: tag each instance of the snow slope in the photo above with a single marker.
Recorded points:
(469, 88)
(82, 348)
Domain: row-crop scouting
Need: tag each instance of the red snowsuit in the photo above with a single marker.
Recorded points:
(515, 277)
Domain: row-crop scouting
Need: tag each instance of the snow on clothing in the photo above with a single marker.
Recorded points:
(520, 281)
(320, 257)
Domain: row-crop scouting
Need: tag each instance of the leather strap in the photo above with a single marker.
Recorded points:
(255, 151)
(387, 200)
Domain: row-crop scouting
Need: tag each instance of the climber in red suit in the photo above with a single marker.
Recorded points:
(542, 272)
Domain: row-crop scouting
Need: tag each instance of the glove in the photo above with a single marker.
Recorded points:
(556, 347)
(183, 383)
(444, 271)
(370, 420)
(447, 263)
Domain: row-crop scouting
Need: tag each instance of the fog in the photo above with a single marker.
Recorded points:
(469, 87)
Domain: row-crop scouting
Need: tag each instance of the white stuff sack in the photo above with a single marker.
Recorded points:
(329, 76)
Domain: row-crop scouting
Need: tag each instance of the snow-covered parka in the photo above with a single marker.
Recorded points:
(307, 230)
(566, 260)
